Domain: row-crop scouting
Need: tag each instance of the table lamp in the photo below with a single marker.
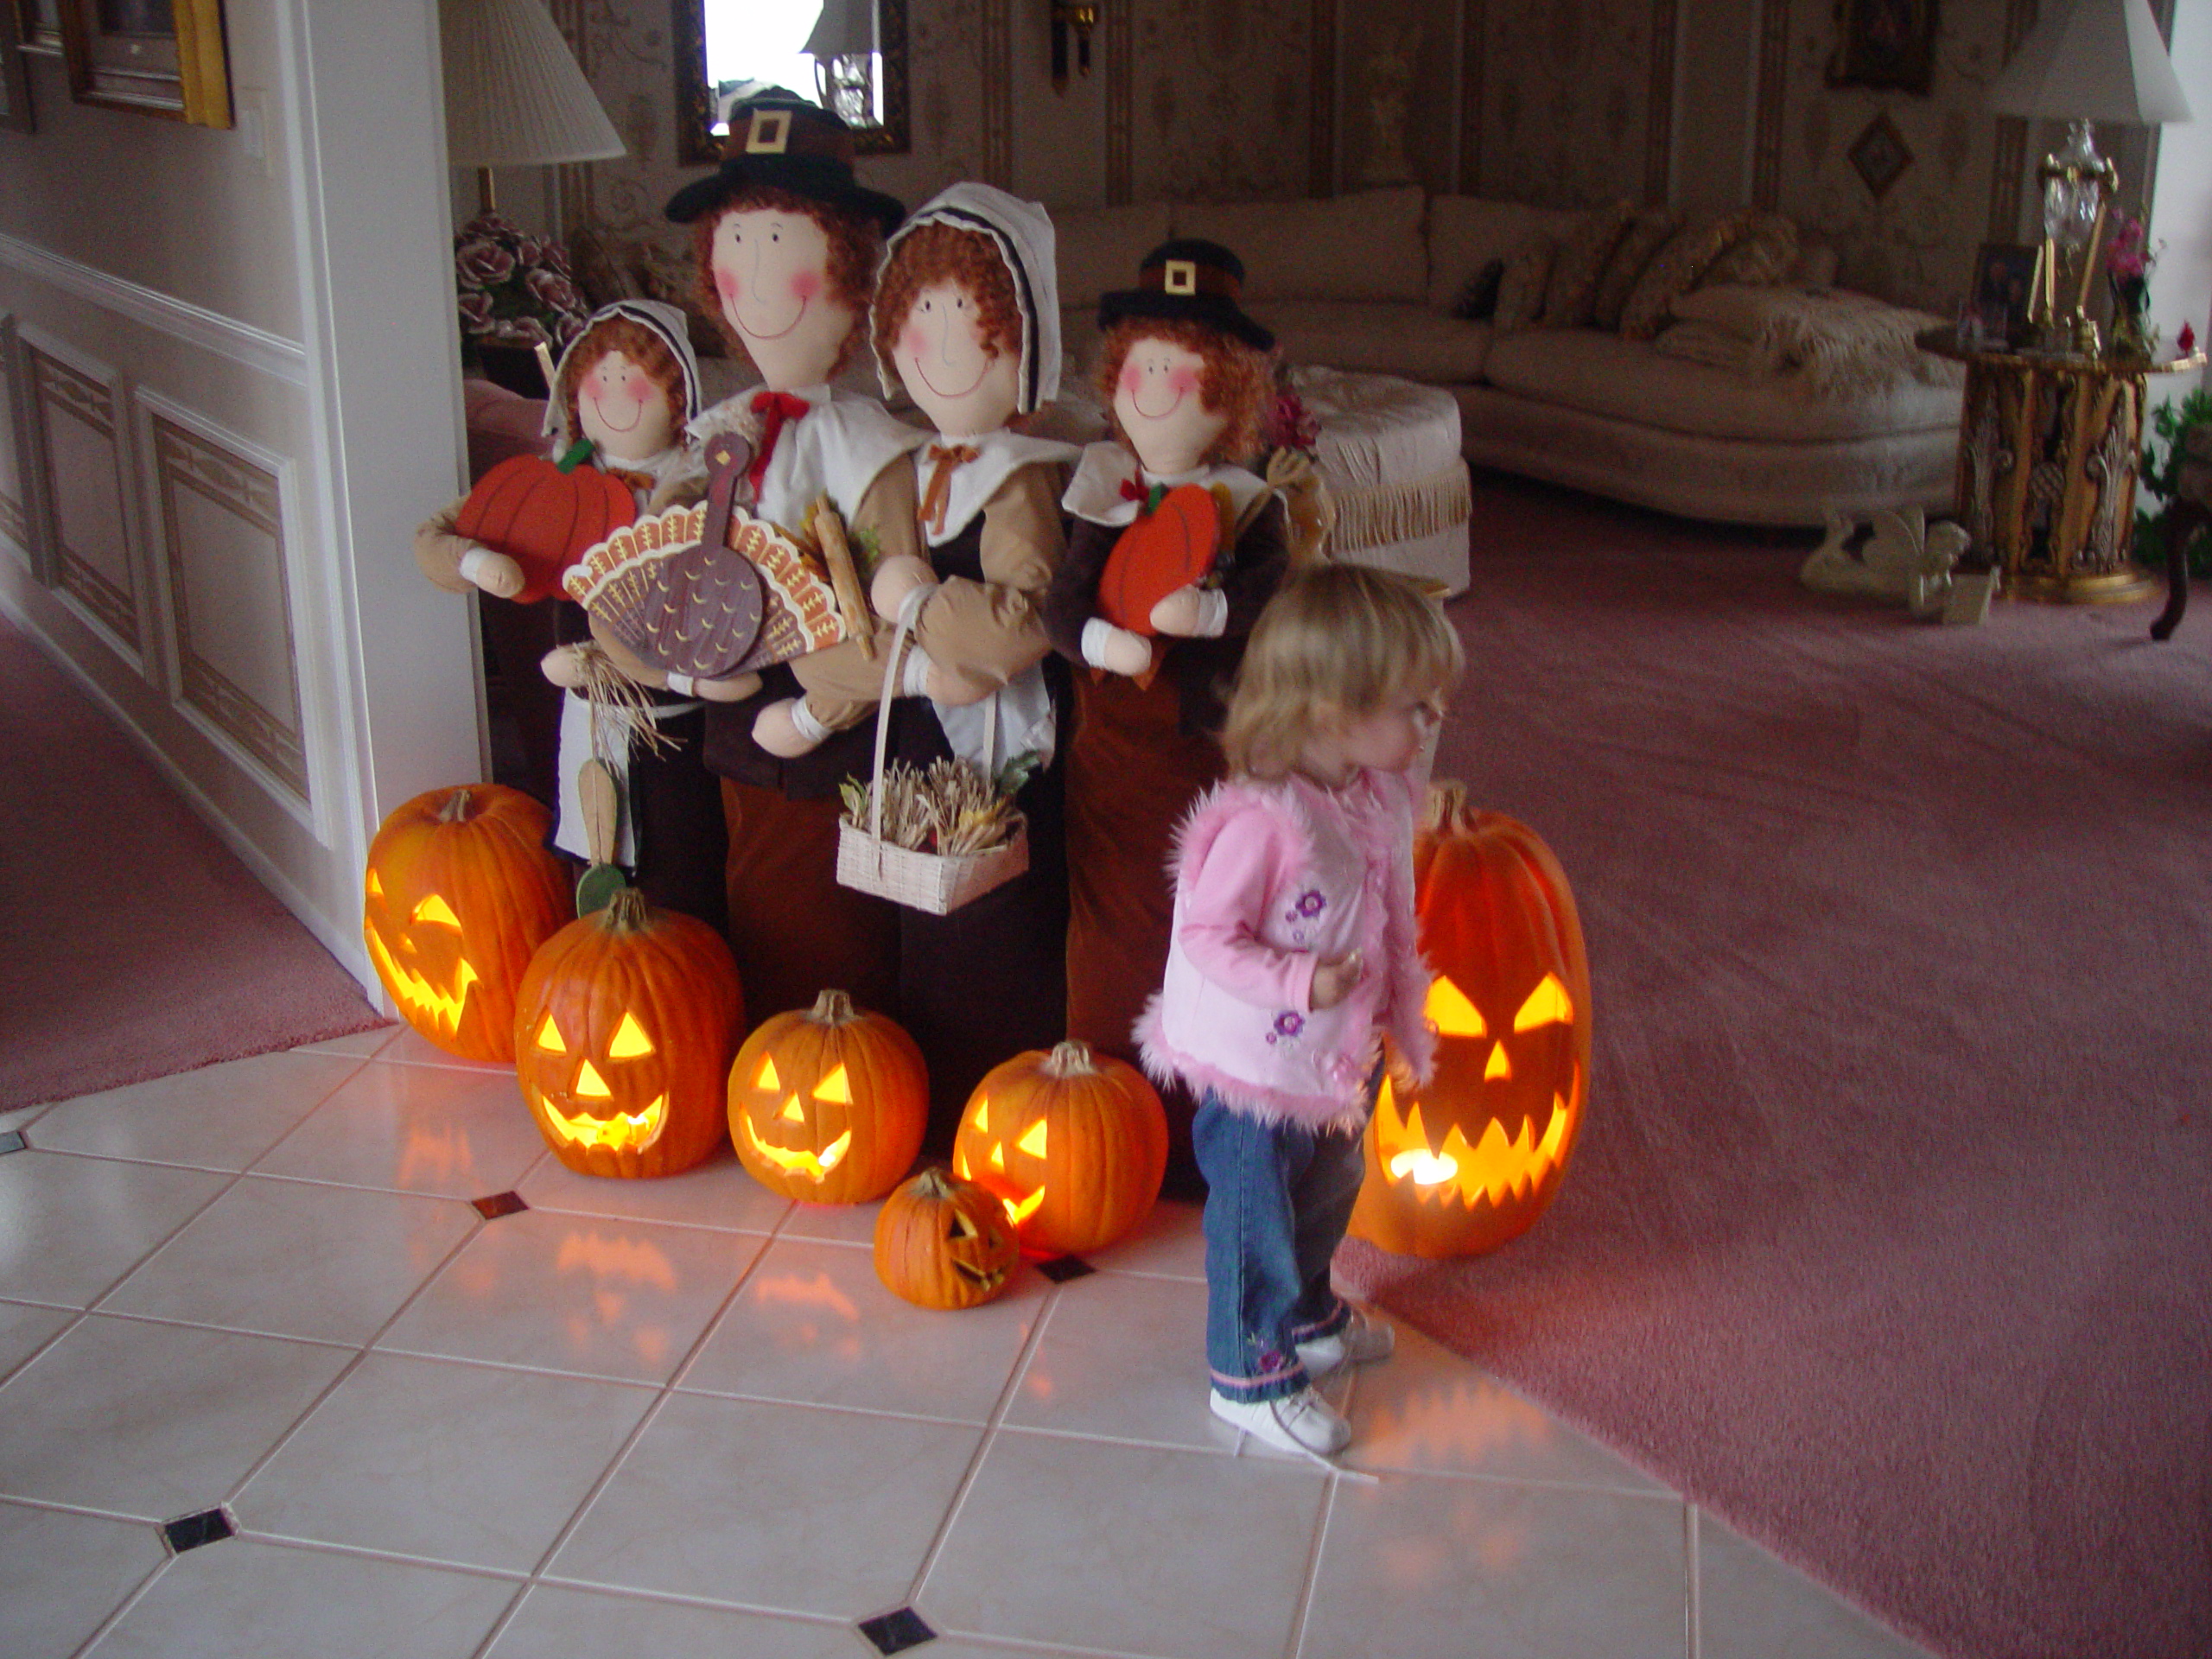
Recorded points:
(514, 95)
(843, 46)
(2085, 60)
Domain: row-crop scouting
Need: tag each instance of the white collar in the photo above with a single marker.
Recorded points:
(1096, 492)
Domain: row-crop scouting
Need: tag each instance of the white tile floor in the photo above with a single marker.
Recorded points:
(671, 1418)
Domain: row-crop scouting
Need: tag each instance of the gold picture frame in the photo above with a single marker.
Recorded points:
(158, 57)
(697, 143)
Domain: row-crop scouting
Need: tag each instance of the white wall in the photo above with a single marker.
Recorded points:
(2180, 213)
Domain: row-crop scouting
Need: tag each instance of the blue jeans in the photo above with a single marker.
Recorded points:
(1278, 1200)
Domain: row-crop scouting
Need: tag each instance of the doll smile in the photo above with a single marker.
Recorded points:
(941, 391)
(759, 333)
(599, 407)
(1137, 403)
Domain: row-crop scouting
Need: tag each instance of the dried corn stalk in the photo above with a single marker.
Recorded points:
(949, 808)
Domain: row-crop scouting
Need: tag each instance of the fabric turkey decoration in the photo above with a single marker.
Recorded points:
(543, 514)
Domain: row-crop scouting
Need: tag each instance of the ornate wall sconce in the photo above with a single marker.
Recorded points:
(1079, 18)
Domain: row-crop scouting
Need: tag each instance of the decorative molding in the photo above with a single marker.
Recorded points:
(258, 350)
(1474, 42)
(998, 91)
(1120, 104)
(15, 510)
(1771, 102)
(64, 391)
(1321, 155)
(1659, 134)
(2009, 166)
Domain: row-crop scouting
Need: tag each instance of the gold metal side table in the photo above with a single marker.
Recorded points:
(2048, 446)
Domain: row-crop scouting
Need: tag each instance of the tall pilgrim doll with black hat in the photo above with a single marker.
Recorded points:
(1175, 547)
(624, 393)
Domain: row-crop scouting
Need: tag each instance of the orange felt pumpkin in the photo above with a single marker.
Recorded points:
(624, 1029)
(1073, 1143)
(543, 514)
(1173, 547)
(1472, 1158)
(941, 1241)
(827, 1105)
(458, 893)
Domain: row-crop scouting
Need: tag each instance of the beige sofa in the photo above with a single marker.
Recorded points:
(1368, 282)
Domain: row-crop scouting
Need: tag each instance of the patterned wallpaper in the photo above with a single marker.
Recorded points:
(1564, 109)
(1220, 91)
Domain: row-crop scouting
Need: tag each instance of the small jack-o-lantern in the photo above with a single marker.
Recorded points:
(1074, 1144)
(1471, 1160)
(458, 893)
(941, 1241)
(828, 1105)
(624, 1029)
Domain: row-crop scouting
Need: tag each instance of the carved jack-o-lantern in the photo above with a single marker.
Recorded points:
(458, 893)
(941, 1241)
(624, 1029)
(1472, 1158)
(1074, 1143)
(828, 1105)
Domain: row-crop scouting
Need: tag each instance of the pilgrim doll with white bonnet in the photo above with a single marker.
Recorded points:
(1174, 548)
(622, 396)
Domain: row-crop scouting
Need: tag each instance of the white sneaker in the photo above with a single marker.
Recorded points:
(1302, 1423)
(1362, 1342)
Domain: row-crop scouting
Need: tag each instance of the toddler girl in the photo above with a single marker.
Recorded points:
(1293, 952)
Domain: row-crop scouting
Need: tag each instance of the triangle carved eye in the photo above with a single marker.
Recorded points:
(1547, 1005)
(1451, 1013)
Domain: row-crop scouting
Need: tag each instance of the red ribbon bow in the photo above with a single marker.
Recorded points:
(1133, 489)
(777, 407)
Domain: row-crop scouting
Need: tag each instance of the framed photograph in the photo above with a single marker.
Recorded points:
(2003, 285)
(1889, 45)
(14, 80)
(160, 57)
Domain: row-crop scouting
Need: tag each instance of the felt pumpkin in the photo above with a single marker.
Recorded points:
(458, 893)
(1471, 1159)
(1170, 548)
(941, 1241)
(1073, 1143)
(542, 514)
(827, 1105)
(624, 1029)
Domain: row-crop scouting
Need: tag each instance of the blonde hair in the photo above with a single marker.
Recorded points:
(1336, 643)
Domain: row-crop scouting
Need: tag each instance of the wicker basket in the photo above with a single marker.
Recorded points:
(936, 882)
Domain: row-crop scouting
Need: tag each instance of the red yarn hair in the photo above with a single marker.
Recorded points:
(1237, 380)
(945, 253)
(642, 346)
(855, 245)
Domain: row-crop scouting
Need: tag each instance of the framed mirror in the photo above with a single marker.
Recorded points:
(848, 55)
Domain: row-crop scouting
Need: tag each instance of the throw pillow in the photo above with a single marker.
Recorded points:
(1764, 256)
(1646, 234)
(1570, 292)
(1674, 270)
(669, 276)
(1477, 300)
(1520, 290)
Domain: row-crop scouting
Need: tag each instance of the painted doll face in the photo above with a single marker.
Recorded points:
(1158, 402)
(771, 270)
(623, 409)
(949, 367)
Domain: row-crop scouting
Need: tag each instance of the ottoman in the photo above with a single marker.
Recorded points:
(1390, 450)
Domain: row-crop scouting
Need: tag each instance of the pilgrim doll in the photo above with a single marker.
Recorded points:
(624, 391)
(1157, 635)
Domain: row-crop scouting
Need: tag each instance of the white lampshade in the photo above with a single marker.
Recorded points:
(845, 28)
(514, 96)
(2092, 60)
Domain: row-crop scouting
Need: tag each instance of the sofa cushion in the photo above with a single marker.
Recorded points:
(1521, 291)
(1766, 252)
(1366, 246)
(1410, 341)
(1647, 233)
(1466, 233)
(1572, 288)
(1605, 374)
(1099, 249)
(1674, 270)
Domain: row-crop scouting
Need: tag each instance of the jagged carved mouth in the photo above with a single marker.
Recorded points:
(618, 1132)
(1492, 1168)
(797, 1160)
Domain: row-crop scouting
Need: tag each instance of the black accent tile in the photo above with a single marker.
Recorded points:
(497, 1205)
(895, 1632)
(12, 1141)
(1061, 1268)
(191, 1531)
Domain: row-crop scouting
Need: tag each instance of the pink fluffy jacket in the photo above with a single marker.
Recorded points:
(1271, 879)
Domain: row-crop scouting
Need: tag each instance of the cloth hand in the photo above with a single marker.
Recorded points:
(1181, 612)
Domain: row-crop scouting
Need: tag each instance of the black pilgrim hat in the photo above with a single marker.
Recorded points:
(780, 141)
(1188, 280)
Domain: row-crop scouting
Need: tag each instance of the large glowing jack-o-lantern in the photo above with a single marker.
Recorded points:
(828, 1105)
(941, 1241)
(1074, 1143)
(623, 1027)
(458, 893)
(1470, 1159)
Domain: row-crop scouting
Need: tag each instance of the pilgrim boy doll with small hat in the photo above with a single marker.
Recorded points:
(1175, 547)
(624, 392)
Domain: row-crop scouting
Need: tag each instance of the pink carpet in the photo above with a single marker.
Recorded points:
(1890, 1237)
(132, 943)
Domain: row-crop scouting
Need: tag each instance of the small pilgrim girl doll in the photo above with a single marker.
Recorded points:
(627, 385)
(1187, 376)
(1294, 953)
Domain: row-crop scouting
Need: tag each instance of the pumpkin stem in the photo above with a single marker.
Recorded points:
(933, 1183)
(833, 1007)
(627, 911)
(1071, 1058)
(574, 456)
(1446, 808)
(455, 809)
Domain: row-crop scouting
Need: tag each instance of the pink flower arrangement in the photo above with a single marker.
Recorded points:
(515, 288)
(2126, 256)
(1288, 425)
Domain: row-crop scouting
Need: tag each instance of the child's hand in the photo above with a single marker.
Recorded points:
(1335, 978)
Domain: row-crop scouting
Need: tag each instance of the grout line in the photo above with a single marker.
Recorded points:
(371, 1552)
(1015, 1374)
(129, 1600)
(175, 1323)
(1693, 1607)
(1295, 1646)
(650, 1417)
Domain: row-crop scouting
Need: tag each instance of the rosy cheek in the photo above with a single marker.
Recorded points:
(726, 283)
(914, 340)
(805, 285)
(1132, 378)
(1181, 381)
